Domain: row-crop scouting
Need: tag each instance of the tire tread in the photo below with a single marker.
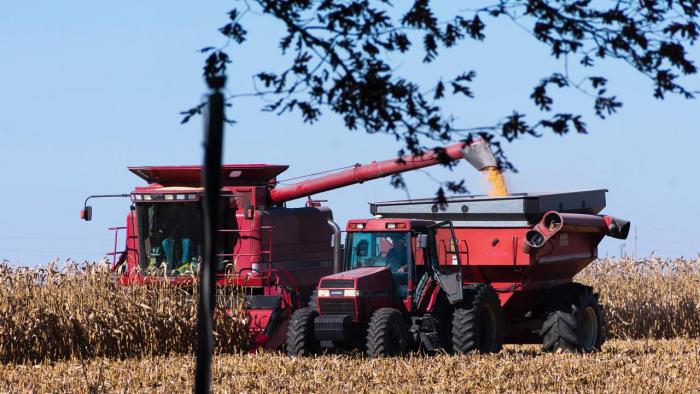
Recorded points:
(300, 333)
(465, 322)
(378, 335)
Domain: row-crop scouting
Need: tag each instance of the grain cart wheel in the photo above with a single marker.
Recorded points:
(300, 333)
(477, 325)
(575, 324)
(387, 334)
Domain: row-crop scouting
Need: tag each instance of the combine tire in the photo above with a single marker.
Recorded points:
(300, 333)
(575, 323)
(477, 325)
(387, 334)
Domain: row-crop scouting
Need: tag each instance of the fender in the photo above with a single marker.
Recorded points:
(454, 293)
(425, 297)
(452, 285)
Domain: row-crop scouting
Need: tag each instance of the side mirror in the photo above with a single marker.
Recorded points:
(86, 214)
(423, 241)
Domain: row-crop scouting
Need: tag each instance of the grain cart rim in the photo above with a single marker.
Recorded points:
(589, 328)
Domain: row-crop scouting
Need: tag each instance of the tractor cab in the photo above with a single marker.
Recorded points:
(382, 262)
(383, 249)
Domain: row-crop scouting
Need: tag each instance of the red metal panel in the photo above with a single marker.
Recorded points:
(361, 173)
(231, 174)
(495, 256)
(381, 224)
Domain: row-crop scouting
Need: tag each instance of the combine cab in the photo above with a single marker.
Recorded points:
(468, 277)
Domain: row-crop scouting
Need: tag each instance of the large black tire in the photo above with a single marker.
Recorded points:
(387, 334)
(477, 324)
(442, 316)
(300, 333)
(574, 322)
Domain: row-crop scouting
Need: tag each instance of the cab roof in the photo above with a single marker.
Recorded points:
(231, 174)
(387, 224)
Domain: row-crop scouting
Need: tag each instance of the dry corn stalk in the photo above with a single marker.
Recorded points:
(51, 314)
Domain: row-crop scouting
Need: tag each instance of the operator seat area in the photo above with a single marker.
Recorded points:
(383, 249)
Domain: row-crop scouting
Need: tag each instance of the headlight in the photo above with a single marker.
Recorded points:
(324, 293)
(352, 292)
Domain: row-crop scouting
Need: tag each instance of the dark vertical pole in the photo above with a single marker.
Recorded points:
(213, 140)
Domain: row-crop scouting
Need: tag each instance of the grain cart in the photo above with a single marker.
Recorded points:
(466, 277)
(273, 254)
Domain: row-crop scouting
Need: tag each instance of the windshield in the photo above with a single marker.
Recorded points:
(169, 236)
(379, 249)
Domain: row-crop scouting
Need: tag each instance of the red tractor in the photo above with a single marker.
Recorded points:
(492, 271)
(274, 254)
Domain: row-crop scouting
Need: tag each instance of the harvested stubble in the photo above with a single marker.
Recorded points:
(649, 298)
(78, 311)
(622, 366)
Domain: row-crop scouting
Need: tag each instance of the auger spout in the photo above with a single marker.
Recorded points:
(478, 154)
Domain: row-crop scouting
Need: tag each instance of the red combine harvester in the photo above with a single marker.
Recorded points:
(275, 255)
(464, 277)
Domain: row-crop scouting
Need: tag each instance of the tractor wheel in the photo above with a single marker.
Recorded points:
(478, 326)
(575, 322)
(387, 334)
(443, 321)
(300, 333)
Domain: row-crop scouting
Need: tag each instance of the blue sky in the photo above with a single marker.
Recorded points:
(88, 88)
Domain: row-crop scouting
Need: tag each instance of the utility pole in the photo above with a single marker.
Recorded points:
(211, 174)
(635, 243)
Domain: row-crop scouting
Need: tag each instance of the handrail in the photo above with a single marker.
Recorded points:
(267, 252)
(116, 239)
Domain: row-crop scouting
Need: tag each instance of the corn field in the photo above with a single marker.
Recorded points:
(79, 312)
(48, 313)
(649, 298)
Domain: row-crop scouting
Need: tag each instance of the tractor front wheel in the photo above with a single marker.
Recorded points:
(575, 323)
(477, 325)
(387, 334)
(300, 333)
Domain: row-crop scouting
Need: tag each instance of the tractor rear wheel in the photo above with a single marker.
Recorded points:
(477, 325)
(574, 323)
(300, 333)
(387, 334)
